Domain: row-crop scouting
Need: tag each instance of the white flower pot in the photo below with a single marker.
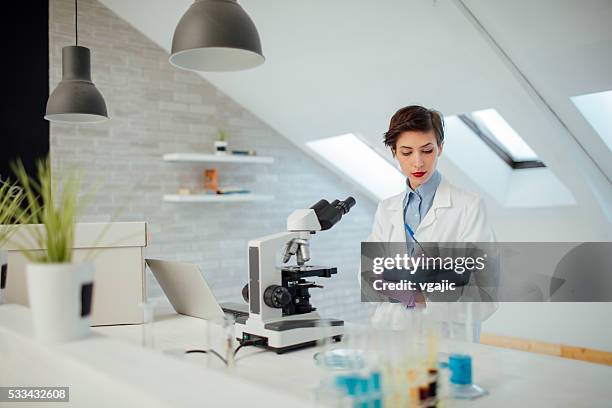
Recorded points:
(60, 300)
(3, 273)
(220, 147)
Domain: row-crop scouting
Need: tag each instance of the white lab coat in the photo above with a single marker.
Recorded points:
(455, 216)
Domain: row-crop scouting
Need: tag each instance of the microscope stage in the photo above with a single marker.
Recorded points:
(306, 271)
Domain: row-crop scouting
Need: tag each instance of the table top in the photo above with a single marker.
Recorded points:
(513, 378)
(103, 371)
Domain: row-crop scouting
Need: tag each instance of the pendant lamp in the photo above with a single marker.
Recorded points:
(216, 35)
(76, 99)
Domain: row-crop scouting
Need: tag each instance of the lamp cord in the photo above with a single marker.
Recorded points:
(76, 22)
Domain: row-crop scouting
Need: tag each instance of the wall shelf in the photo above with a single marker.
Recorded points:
(216, 158)
(216, 198)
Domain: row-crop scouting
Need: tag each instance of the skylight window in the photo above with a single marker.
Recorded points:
(597, 110)
(493, 129)
(467, 156)
(359, 162)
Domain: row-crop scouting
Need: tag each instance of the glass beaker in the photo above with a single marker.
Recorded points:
(460, 358)
(221, 342)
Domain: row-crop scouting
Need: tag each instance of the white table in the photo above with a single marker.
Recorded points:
(263, 378)
(513, 378)
(103, 371)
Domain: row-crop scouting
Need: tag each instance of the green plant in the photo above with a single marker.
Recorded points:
(11, 213)
(54, 204)
(221, 135)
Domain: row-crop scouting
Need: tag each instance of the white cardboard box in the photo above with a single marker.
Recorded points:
(119, 261)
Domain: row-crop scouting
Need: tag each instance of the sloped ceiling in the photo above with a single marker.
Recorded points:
(334, 67)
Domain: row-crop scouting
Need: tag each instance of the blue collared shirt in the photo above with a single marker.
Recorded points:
(418, 202)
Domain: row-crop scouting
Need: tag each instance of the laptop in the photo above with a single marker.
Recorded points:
(188, 292)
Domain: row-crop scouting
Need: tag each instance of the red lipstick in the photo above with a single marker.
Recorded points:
(418, 174)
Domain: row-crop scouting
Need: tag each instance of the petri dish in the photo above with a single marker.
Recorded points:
(340, 359)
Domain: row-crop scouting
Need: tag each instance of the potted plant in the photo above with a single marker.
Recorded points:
(60, 290)
(11, 214)
(221, 142)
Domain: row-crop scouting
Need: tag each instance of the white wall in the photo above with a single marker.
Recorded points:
(115, 62)
(576, 324)
(157, 109)
(573, 324)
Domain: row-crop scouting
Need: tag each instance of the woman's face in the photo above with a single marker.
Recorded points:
(417, 154)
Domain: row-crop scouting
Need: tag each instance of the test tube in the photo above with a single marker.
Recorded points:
(360, 382)
(230, 340)
(148, 317)
(325, 343)
(325, 392)
(374, 365)
(430, 369)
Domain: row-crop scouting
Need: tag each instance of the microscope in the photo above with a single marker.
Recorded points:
(280, 314)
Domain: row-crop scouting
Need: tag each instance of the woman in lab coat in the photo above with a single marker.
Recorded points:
(430, 209)
(416, 139)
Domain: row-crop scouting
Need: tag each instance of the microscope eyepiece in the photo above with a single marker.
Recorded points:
(345, 205)
(330, 213)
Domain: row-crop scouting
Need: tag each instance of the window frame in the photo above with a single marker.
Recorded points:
(498, 148)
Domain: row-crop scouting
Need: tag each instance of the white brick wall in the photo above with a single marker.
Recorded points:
(156, 109)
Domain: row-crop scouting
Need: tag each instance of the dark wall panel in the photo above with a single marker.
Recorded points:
(25, 84)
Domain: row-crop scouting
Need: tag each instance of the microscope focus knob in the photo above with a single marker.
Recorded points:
(245, 293)
(277, 296)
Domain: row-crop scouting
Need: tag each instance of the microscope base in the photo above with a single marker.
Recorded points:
(289, 333)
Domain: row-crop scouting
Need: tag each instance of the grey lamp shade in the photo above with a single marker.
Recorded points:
(216, 35)
(76, 99)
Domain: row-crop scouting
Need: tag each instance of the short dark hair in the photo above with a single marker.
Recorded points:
(417, 118)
